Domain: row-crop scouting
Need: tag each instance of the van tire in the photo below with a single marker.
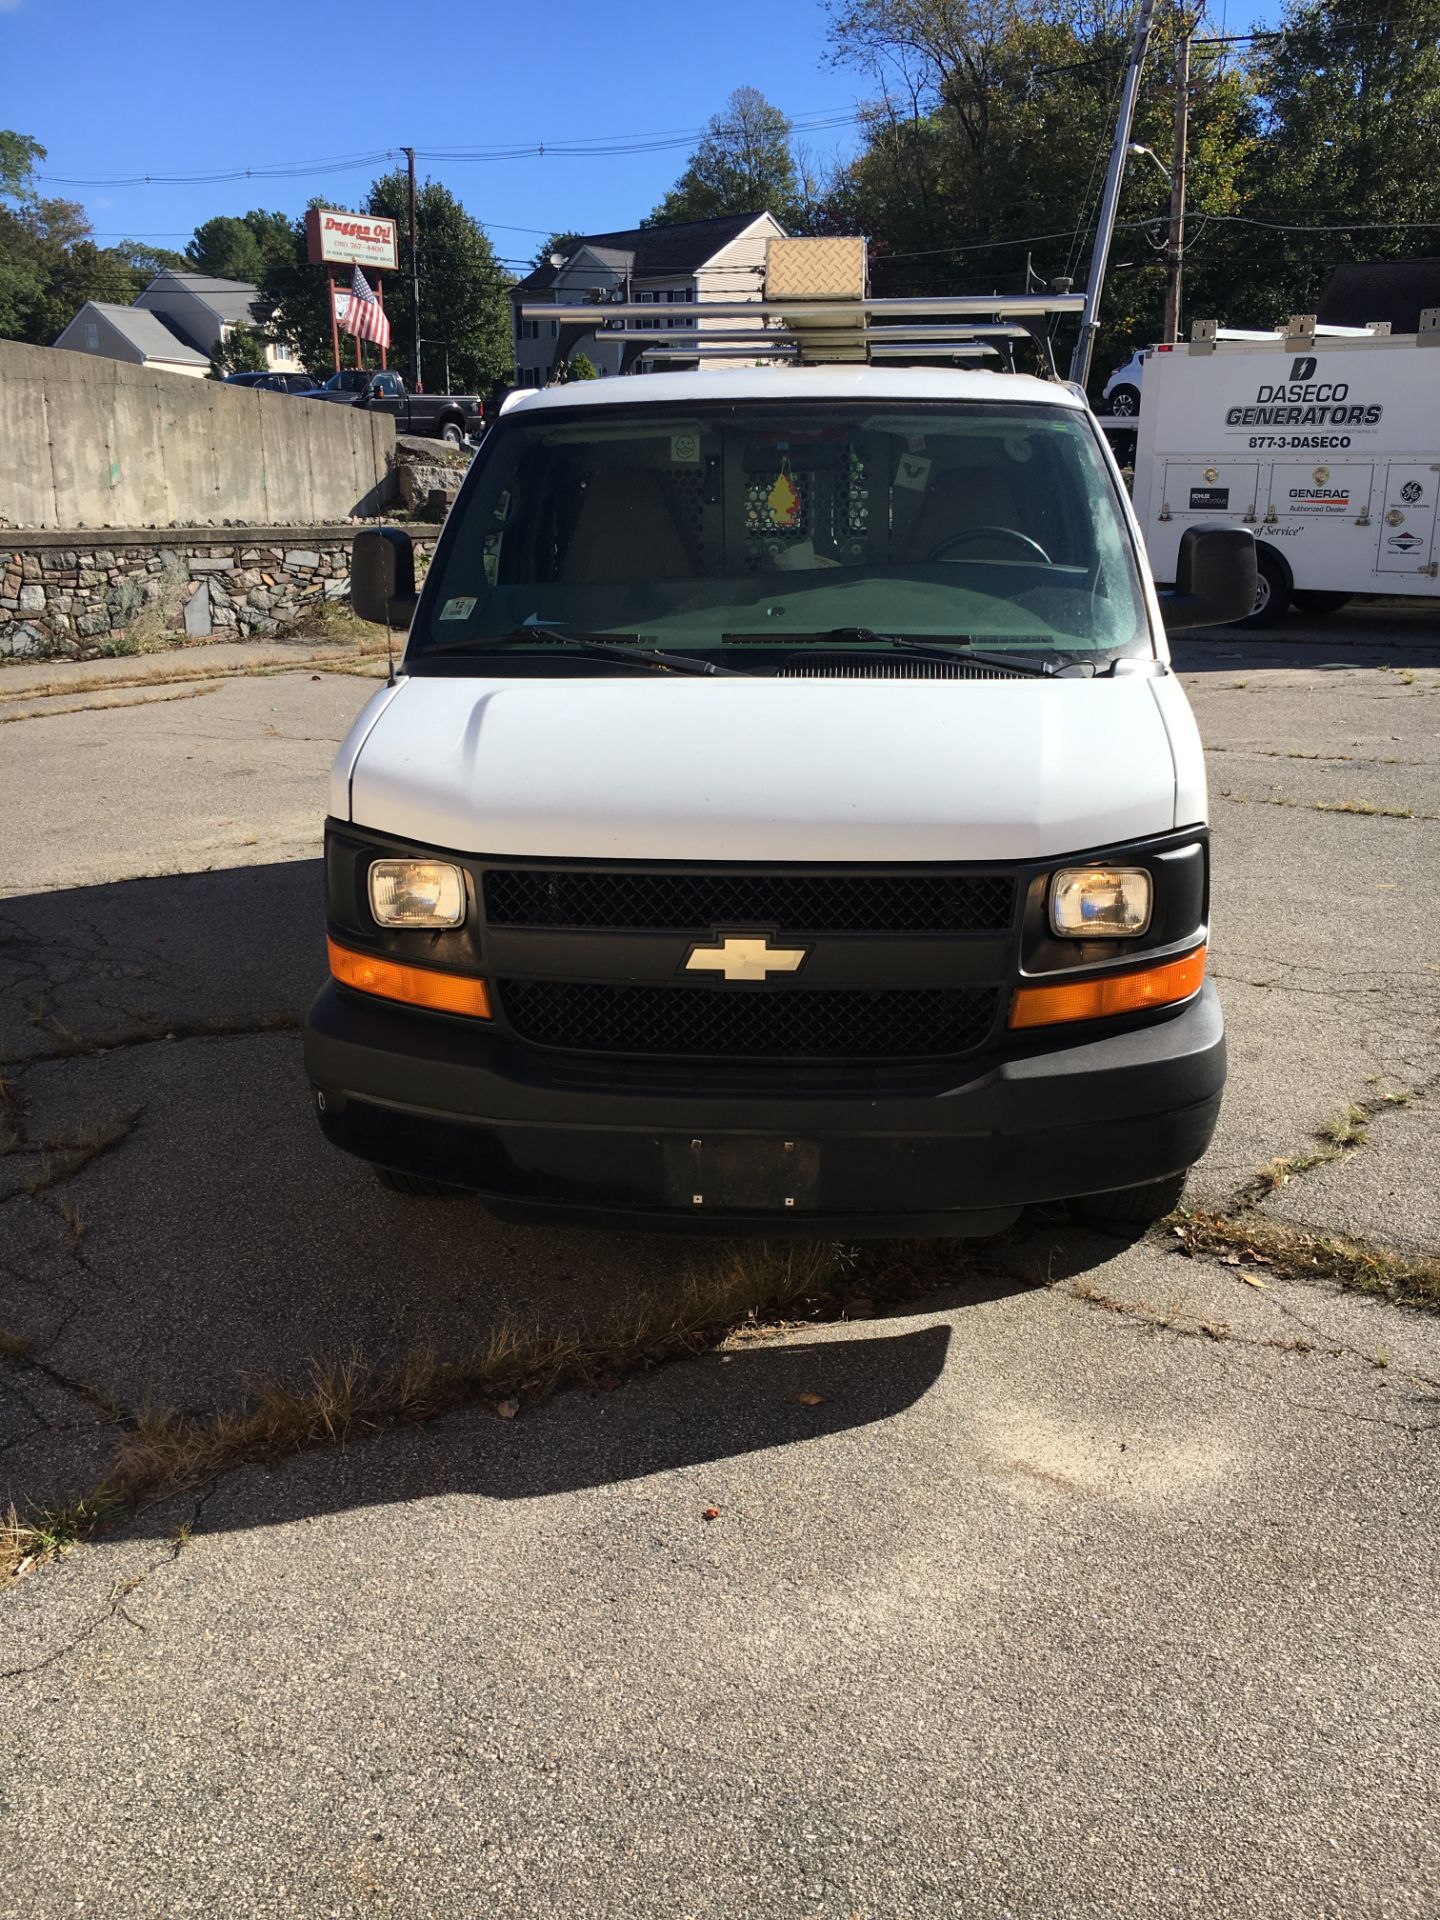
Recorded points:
(1138, 1206)
(1311, 600)
(1274, 584)
(410, 1182)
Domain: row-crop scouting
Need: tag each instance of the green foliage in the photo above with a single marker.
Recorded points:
(582, 367)
(243, 351)
(240, 247)
(995, 125)
(464, 294)
(296, 296)
(1352, 122)
(743, 164)
(18, 154)
(49, 268)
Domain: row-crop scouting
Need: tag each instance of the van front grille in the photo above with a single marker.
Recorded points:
(792, 903)
(778, 1023)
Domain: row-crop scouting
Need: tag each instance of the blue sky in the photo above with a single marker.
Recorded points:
(160, 87)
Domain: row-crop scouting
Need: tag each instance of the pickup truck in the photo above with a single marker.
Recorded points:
(450, 416)
(900, 931)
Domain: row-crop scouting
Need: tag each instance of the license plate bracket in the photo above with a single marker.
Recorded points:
(740, 1173)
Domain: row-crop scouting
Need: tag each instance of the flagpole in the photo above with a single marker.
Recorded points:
(380, 296)
(334, 325)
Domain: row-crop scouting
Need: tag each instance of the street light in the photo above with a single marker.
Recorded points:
(1136, 150)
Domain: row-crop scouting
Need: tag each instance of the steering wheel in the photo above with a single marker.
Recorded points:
(940, 551)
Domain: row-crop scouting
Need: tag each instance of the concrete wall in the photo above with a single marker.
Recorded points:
(94, 443)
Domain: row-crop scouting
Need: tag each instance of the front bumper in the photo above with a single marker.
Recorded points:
(1077, 1112)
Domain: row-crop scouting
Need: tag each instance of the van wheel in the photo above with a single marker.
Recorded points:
(1125, 401)
(410, 1182)
(1274, 584)
(1308, 600)
(1138, 1206)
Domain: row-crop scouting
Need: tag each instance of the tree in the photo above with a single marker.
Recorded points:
(464, 294)
(582, 367)
(18, 154)
(743, 164)
(993, 125)
(1351, 96)
(240, 246)
(241, 351)
(49, 268)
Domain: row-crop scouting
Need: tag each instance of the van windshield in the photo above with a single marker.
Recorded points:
(771, 522)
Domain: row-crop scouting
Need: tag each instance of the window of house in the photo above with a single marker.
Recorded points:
(92, 337)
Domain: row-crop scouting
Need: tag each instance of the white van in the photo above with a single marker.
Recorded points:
(901, 929)
(1324, 441)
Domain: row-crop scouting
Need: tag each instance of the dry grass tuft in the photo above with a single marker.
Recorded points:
(750, 1288)
(48, 1534)
(61, 1159)
(1299, 1254)
(332, 620)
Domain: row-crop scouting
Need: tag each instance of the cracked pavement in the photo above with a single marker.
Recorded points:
(1100, 1581)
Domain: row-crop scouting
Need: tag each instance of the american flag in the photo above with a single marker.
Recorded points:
(362, 314)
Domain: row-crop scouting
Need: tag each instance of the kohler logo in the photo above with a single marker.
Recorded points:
(1303, 367)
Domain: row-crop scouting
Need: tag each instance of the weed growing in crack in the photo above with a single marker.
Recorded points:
(48, 1533)
(751, 1290)
(1296, 1253)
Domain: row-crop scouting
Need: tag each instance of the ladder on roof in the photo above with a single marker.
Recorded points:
(816, 310)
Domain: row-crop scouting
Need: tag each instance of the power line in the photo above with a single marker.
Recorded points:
(594, 147)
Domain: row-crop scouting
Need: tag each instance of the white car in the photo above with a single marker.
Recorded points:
(902, 929)
(1121, 392)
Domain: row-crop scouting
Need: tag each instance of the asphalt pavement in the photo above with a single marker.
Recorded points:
(1097, 1580)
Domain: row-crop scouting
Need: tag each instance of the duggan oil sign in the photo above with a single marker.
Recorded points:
(336, 238)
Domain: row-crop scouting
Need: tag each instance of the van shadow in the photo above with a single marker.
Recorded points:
(175, 1234)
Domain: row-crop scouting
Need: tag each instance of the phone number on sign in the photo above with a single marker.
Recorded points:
(1299, 440)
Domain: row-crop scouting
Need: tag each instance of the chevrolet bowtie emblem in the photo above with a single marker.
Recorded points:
(745, 957)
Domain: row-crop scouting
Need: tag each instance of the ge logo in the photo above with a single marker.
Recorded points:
(1411, 492)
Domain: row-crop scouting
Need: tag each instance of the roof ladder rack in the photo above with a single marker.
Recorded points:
(816, 311)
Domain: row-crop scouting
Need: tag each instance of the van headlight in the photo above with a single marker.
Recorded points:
(417, 893)
(1100, 903)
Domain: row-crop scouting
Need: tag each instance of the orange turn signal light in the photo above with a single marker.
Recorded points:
(1158, 986)
(416, 986)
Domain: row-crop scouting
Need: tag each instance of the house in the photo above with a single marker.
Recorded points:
(129, 333)
(718, 259)
(177, 323)
(201, 309)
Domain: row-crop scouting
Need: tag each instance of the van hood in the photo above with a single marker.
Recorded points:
(663, 768)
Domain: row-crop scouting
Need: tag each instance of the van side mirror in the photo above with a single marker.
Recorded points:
(1214, 579)
(382, 576)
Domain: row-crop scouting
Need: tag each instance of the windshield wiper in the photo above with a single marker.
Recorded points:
(901, 643)
(588, 643)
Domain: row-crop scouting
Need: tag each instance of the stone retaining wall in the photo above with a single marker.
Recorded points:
(62, 597)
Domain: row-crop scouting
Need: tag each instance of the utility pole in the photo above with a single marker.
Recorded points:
(409, 153)
(1110, 199)
(1175, 249)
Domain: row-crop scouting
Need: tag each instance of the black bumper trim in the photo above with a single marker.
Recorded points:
(1087, 1113)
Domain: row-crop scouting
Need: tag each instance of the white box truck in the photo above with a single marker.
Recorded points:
(1324, 441)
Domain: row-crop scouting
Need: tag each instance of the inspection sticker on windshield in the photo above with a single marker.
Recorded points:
(457, 609)
(685, 449)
